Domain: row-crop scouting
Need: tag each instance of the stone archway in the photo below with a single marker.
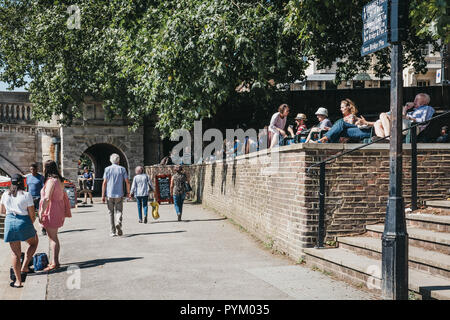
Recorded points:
(8, 167)
(100, 142)
(99, 155)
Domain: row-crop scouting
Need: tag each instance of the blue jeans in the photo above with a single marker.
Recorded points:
(142, 202)
(178, 200)
(344, 129)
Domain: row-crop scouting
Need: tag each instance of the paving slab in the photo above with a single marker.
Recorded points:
(203, 257)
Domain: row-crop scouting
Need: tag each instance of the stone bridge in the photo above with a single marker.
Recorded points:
(24, 140)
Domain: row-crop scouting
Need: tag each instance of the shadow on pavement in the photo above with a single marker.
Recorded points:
(91, 264)
(150, 233)
(75, 230)
(194, 220)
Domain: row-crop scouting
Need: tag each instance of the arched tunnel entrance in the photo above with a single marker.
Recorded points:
(99, 155)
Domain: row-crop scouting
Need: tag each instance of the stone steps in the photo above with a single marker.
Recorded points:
(427, 239)
(429, 222)
(434, 263)
(365, 271)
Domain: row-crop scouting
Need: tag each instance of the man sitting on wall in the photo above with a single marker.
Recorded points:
(420, 112)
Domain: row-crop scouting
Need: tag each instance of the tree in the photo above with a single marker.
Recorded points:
(178, 60)
(331, 30)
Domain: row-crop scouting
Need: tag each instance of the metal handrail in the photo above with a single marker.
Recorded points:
(321, 218)
(375, 141)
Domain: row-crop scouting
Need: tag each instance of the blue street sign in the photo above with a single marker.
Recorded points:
(375, 26)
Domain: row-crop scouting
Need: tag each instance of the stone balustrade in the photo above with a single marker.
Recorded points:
(15, 113)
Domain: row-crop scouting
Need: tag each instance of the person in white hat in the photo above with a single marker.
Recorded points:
(324, 122)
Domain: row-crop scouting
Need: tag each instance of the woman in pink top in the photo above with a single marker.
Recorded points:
(52, 209)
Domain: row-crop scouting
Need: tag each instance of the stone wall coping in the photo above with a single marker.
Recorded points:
(330, 146)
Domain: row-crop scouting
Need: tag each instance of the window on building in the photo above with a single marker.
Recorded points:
(423, 83)
(385, 84)
(358, 84)
(329, 85)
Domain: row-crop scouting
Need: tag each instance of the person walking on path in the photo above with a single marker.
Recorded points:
(52, 209)
(178, 189)
(112, 188)
(35, 183)
(140, 189)
(20, 215)
(87, 184)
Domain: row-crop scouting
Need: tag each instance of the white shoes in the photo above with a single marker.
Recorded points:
(112, 234)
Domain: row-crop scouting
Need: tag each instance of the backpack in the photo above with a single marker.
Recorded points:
(40, 261)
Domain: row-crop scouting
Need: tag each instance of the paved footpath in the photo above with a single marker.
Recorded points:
(203, 257)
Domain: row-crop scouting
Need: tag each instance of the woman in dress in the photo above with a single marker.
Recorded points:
(178, 189)
(19, 209)
(52, 209)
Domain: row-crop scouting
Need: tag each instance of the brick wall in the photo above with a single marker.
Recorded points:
(279, 203)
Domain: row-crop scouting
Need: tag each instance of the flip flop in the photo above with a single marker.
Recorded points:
(51, 267)
(13, 285)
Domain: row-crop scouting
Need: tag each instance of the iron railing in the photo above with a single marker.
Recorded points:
(413, 134)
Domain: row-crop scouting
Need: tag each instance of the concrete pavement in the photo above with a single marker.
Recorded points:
(203, 257)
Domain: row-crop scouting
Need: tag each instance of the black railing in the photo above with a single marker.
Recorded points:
(413, 140)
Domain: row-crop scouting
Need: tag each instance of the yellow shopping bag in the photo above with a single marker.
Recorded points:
(155, 207)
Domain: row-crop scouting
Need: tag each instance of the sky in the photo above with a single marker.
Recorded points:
(3, 87)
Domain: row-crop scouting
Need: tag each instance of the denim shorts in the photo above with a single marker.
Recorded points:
(18, 228)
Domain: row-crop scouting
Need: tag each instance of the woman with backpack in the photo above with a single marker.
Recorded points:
(53, 209)
(178, 189)
(18, 206)
(140, 189)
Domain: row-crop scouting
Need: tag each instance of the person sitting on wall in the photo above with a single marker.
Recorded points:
(443, 138)
(262, 139)
(417, 111)
(349, 127)
(277, 124)
(299, 127)
(324, 124)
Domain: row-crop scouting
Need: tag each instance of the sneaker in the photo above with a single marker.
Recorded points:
(140, 221)
(145, 219)
(112, 234)
(179, 217)
(119, 230)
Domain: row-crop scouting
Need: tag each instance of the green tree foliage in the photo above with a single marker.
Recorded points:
(180, 60)
(176, 59)
(331, 30)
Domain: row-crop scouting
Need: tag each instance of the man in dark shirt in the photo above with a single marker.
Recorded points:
(35, 183)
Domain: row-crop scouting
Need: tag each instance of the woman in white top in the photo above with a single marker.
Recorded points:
(19, 209)
(277, 124)
(140, 189)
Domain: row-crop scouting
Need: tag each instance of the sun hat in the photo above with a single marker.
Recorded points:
(301, 116)
(322, 111)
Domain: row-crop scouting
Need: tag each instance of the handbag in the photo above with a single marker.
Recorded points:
(155, 207)
(67, 212)
(40, 261)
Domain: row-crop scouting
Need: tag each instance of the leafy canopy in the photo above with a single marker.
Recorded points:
(178, 61)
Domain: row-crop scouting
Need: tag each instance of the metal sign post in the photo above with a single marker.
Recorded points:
(384, 24)
(395, 239)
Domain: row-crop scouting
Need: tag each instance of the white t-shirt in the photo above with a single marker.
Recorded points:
(19, 204)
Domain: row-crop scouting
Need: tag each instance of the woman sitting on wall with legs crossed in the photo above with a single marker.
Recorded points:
(349, 126)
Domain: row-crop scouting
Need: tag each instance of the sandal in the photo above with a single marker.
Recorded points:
(13, 285)
(51, 267)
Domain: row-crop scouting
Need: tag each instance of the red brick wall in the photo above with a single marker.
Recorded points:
(280, 205)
